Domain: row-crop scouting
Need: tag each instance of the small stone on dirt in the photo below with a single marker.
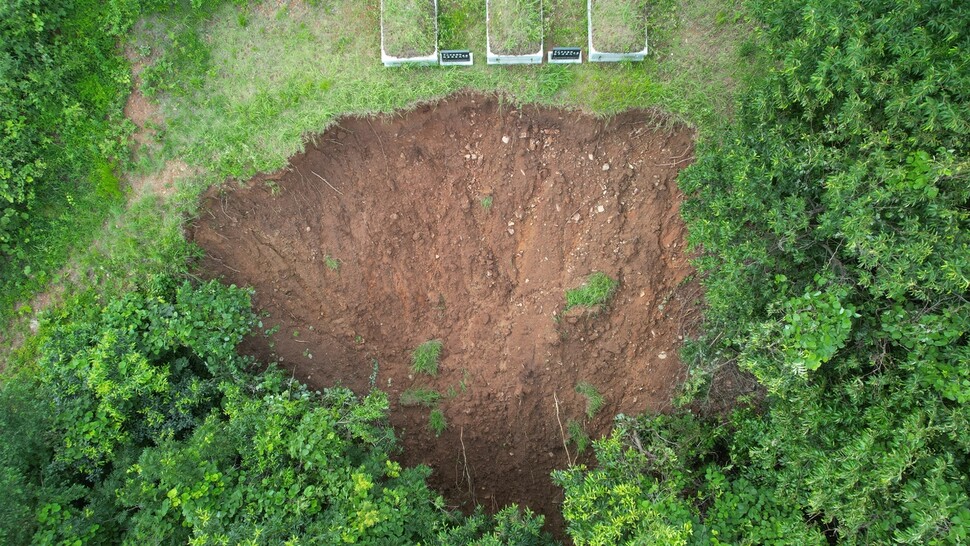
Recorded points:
(601, 208)
(662, 355)
(606, 166)
(505, 139)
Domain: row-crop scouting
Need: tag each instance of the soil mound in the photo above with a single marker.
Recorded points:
(465, 221)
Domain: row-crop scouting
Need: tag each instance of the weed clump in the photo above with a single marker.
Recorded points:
(424, 359)
(419, 396)
(594, 400)
(597, 290)
(436, 421)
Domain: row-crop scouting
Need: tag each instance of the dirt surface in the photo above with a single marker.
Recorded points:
(148, 119)
(465, 221)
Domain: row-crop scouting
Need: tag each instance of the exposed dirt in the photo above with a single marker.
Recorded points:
(397, 206)
(148, 119)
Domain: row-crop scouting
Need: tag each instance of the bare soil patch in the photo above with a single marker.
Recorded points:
(465, 221)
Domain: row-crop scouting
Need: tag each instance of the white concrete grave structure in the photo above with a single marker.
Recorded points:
(421, 60)
(497, 58)
(596, 56)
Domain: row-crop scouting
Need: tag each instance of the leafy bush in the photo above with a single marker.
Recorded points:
(834, 221)
(139, 423)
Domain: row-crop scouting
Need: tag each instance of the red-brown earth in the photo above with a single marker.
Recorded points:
(465, 221)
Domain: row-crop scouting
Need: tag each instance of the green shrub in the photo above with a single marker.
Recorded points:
(597, 290)
(424, 359)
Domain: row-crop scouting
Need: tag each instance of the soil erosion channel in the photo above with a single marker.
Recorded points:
(465, 221)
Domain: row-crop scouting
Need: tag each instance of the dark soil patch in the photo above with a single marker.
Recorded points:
(378, 238)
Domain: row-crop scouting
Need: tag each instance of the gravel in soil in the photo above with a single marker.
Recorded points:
(465, 221)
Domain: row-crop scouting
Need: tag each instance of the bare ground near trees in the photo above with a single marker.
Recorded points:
(465, 221)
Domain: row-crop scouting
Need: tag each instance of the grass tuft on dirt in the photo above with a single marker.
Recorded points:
(594, 400)
(597, 290)
(420, 396)
(425, 358)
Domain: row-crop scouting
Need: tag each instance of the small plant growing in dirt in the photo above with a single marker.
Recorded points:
(486, 202)
(594, 400)
(577, 435)
(420, 396)
(597, 290)
(515, 26)
(333, 264)
(436, 421)
(619, 26)
(424, 359)
(409, 27)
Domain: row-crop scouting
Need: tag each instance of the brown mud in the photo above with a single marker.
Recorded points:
(466, 221)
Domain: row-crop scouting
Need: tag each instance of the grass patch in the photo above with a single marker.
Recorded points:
(597, 290)
(515, 26)
(619, 26)
(578, 436)
(409, 27)
(436, 421)
(424, 359)
(333, 264)
(420, 396)
(486, 202)
(594, 400)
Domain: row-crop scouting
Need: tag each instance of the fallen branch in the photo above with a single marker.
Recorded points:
(327, 183)
(562, 431)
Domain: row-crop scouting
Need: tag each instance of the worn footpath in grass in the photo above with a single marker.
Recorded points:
(619, 26)
(408, 27)
(515, 26)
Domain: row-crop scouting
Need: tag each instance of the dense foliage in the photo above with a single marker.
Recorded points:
(833, 219)
(140, 424)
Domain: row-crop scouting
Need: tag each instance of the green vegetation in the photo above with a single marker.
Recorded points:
(577, 435)
(597, 290)
(515, 26)
(829, 200)
(420, 396)
(436, 421)
(619, 26)
(594, 400)
(409, 27)
(139, 423)
(333, 264)
(424, 359)
(833, 218)
(486, 202)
